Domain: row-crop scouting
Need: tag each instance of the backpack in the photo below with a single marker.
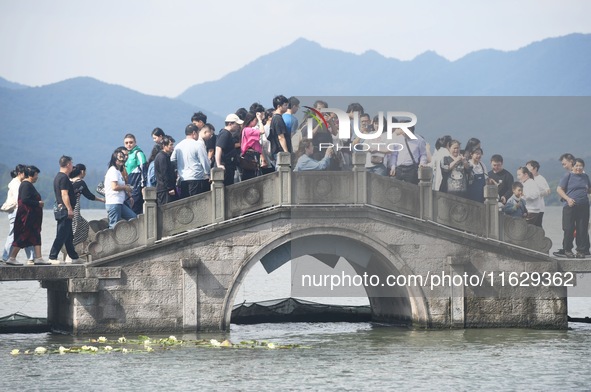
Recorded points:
(151, 175)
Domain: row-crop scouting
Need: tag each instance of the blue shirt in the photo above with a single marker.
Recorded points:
(291, 122)
(418, 149)
(576, 186)
(307, 163)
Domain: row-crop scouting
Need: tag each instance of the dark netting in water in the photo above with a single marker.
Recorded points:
(289, 310)
(21, 323)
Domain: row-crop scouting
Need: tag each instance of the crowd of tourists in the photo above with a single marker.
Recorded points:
(25, 213)
(247, 146)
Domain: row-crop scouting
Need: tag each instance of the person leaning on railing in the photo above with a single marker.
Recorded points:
(306, 162)
(116, 191)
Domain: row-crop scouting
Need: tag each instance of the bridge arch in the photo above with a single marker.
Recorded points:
(365, 254)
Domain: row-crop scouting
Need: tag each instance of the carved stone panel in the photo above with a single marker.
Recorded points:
(393, 195)
(251, 195)
(323, 187)
(460, 213)
(185, 214)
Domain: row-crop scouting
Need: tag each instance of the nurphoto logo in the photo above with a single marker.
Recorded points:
(395, 121)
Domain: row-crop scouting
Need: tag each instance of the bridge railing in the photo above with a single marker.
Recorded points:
(287, 188)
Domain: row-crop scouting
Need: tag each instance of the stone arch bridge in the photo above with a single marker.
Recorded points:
(178, 267)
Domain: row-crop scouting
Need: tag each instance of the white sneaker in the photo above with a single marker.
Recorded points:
(30, 262)
(55, 261)
(12, 261)
(76, 261)
(40, 261)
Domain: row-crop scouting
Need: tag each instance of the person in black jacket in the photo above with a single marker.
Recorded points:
(65, 200)
(226, 156)
(501, 178)
(165, 174)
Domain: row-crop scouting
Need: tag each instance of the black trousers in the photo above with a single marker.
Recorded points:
(229, 175)
(64, 236)
(138, 203)
(576, 218)
(163, 197)
(193, 187)
(534, 218)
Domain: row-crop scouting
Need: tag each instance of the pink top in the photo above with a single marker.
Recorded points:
(251, 139)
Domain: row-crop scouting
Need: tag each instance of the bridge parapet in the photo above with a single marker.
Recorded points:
(460, 213)
(285, 188)
(393, 195)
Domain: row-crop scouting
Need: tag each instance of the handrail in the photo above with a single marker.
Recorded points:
(285, 188)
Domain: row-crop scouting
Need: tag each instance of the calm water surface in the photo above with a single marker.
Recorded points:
(340, 356)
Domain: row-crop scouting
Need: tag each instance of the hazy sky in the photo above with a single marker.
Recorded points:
(163, 47)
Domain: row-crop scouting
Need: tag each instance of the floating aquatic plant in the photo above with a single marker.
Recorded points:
(150, 345)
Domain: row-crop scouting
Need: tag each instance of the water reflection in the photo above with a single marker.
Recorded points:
(341, 356)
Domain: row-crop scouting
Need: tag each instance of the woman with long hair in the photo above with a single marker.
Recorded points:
(29, 216)
(471, 145)
(250, 147)
(79, 224)
(441, 151)
(116, 190)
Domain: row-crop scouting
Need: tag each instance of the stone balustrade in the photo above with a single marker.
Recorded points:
(286, 189)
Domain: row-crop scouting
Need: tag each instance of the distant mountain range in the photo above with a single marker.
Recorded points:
(84, 118)
(10, 85)
(552, 67)
(87, 118)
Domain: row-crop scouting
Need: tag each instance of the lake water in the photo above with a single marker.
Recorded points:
(339, 356)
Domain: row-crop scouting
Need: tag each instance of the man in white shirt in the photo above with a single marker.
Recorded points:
(189, 166)
(406, 162)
